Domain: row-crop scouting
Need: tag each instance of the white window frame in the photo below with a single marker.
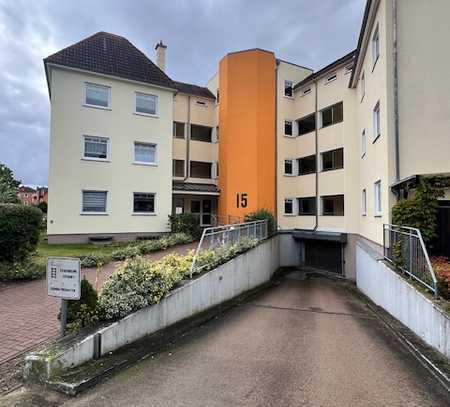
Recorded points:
(293, 206)
(86, 85)
(364, 202)
(156, 114)
(214, 171)
(83, 148)
(377, 209)
(294, 167)
(91, 213)
(154, 213)
(292, 126)
(363, 143)
(375, 46)
(330, 78)
(150, 164)
(376, 122)
(363, 85)
(292, 87)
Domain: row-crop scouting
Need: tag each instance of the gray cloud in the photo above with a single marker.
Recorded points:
(198, 34)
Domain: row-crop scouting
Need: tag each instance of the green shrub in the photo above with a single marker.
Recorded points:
(149, 246)
(19, 231)
(263, 214)
(163, 243)
(125, 253)
(138, 283)
(83, 313)
(95, 260)
(188, 223)
(25, 269)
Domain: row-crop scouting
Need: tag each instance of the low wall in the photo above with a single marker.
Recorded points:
(243, 273)
(402, 300)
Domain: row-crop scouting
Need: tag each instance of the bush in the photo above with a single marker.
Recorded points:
(125, 253)
(149, 246)
(188, 223)
(25, 269)
(83, 313)
(95, 260)
(263, 214)
(19, 232)
(164, 243)
(138, 283)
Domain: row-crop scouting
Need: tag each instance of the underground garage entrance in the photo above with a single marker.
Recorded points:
(321, 250)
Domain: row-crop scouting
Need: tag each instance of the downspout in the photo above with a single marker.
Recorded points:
(316, 140)
(396, 114)
(188, 140)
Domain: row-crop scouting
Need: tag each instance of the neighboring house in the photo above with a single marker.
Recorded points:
(329, 152)
(31, 196)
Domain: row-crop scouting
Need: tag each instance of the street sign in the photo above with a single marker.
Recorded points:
(64, 278)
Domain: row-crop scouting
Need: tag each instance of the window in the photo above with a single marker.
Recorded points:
(288, 127)
(307, 206)
(307, 165)
(288, 167)
(95, 148)
(217, 96)
(363, 86)
(364, 202)
(333, 205)
(200, 169)
(333, 160)
(288, 206)
(217, 134)
(376, 122)
(363, 143)
(178, 130)
(201, 103)
(201, 133)
(145, 153)
(146, 104)
(288, 88)
(348, 69)
(215, 170)
(97, 95)
(94, 201)
(306, 91)
(332, 115)
(331, 78)
(306, 124)
(143, 203)
(375, 47)
(377, 196)
(178, 168)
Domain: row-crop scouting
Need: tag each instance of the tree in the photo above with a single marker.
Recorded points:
(8, 185)
(42, 206)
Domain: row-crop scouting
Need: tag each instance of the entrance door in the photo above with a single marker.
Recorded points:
(442, 246)
(324, 255)
(203, 207)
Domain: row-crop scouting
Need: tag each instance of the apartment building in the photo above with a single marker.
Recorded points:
(328, 152)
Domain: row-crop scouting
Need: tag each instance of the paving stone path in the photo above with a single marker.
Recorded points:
(28, 316)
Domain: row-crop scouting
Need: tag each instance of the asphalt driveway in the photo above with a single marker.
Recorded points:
(300, 343)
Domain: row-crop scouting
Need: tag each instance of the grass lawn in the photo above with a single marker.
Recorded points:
(45, 250)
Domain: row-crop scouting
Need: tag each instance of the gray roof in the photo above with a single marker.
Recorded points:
(193, 90)
(192, 187)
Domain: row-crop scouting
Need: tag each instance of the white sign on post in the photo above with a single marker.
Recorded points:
(64, 278)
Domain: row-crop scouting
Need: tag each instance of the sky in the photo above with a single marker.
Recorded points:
(198, 34)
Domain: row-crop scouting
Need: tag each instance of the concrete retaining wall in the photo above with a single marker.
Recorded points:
(402, 300)
(241, 274)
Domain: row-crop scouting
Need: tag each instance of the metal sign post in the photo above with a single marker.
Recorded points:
(64, 281)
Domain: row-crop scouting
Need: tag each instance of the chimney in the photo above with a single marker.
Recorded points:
(161, 55)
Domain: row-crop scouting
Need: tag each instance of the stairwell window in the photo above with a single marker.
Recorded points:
(146, 105)
(307, 206)
(178, 168)
(144, 153)
(289, 206)
(289, 167)
(143, 203)
(363, 143)
(333, 205)
(377, 197)
(94, 202)
(364, 202)
(95, 148)
(288, 88)
(178, 130)
(363, 86)
(375, 47)
(97, 96)
(288, 128)
(376, 122)
(332, 115)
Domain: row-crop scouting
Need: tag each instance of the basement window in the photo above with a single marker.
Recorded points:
(307, 206)
(307, 165)
(333, 160)
(333, 205)
(306, 124)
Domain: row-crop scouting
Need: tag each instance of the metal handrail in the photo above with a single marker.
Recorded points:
(419, 264)
(258, 229)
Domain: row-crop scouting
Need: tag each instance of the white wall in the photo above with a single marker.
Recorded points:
(69, 174)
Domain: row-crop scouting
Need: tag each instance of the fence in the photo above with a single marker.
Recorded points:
(228, 235)
(404, 248)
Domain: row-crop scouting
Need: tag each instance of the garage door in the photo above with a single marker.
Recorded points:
(324, 255)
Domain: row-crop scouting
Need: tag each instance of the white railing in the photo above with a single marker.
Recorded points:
(404, 248)
(228, 235)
